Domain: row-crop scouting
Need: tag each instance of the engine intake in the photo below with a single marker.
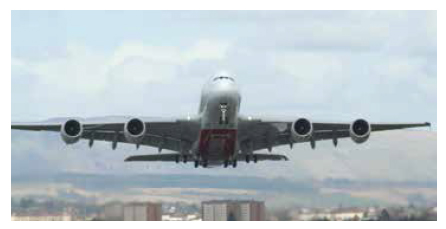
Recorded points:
(360, 130)
(302, 128)
(71, 131)
(134, 130)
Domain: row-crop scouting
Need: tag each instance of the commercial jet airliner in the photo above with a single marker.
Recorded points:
(217, 136)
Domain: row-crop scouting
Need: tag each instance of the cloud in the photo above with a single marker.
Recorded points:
(345, 63)
(88, 76)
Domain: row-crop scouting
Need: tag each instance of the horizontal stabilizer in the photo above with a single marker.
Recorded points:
(265, 157)
(173, 157)
(153, 157)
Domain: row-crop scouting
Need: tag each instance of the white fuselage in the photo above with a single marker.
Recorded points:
(219, 108)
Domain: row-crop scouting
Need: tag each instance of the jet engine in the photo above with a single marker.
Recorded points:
(71, 131)
(360, 131)
(302, 128)
(134, 130)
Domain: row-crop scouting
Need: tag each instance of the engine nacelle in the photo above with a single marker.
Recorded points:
(134, 130)
(360, 131)
(302, 128)
(71, 131)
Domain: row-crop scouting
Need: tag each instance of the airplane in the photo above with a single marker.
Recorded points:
(218, 135)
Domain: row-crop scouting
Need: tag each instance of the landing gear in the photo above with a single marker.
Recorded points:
(185, 159)
(196, 164)
(248, 158)
(226, 163)
(223, 113)
(234, 163)
(255, 158)
(205, 164)
(177, 159)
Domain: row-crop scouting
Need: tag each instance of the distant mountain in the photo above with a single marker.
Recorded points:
(407, 155)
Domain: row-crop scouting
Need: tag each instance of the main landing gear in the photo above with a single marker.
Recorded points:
(183, 158)
(226, 163)
(248, 158)
(203, 163)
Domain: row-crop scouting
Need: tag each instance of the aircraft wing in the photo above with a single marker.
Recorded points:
(172, 134)
(258, 134)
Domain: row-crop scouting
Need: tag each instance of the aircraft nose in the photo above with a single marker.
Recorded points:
(226, 89)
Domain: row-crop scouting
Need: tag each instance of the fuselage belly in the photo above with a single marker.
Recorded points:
(219, 107)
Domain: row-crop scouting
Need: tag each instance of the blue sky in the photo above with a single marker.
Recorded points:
(338, 65)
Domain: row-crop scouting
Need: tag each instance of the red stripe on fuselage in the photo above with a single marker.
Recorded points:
(222, 139)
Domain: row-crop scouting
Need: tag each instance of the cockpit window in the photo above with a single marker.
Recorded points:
(223, 77)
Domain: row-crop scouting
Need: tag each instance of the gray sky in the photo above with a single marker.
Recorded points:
(340, 65)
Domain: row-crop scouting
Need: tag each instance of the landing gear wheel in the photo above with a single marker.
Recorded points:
(185, 159)
(177, 159)
(255, 158)
(234, 164)
(205, 164)
(196, 164)
(248, 158)
(226, 163)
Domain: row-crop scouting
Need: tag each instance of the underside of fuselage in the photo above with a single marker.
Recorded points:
(219, 109)
(217, 144)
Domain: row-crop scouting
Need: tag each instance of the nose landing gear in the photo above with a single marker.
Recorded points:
(223, 113)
